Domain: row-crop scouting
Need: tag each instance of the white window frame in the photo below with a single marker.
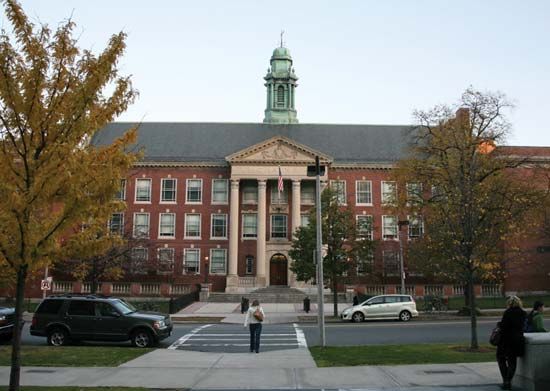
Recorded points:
(184, 261)
(145, 251)
(249, 270)
(212, 226)
(120, 231)
(337, 192)
(162, 201)
(186, 236)
(357, 192)
(420, 226)
(274, 194)
(136, 201)
(226, 191)
(146, 236)
(247, 190)
(369, 261)
(243, 226)
(383, 193)
(387, 237)
(307, 185)
(160, 235)
(212, 250)
(271, 227)
(370, 234)
(396, 255)
(302, 217)
(170, 250)
(122, 191)
(187, 191)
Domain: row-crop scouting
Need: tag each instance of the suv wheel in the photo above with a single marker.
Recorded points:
(58, 337)
(142, 338)
(405, 316)
(358, 317)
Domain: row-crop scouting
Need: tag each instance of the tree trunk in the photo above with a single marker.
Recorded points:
(93, 288)
(335, 295)
(473, 315)
(16, 341)
(467, 293)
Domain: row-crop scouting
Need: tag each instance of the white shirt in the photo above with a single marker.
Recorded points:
(250, 318)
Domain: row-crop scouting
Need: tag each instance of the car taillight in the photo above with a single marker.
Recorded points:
(156, 325)
(33, 321)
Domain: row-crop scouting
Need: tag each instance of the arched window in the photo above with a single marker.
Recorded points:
(280, 96)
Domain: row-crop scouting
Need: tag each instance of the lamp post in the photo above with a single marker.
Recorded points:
(206, 270)
(400, 224)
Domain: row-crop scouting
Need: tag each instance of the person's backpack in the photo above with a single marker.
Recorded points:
(258, 314)
(528, 325)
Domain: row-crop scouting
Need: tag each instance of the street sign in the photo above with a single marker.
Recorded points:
(46, 284)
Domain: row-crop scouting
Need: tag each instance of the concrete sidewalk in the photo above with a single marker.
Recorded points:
(283, 369)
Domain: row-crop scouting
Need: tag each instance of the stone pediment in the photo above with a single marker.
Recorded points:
(278, 149)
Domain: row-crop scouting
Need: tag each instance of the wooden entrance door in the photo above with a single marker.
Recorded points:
(278, 270)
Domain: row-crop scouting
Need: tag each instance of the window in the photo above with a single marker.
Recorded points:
(165, 260)
(81, 308)
(389, 193)
(416, 226)
(191, 264)
(116, 224)
(138, 261)
(304, 220)
(391, 263)
(365, 264)
(363, 192)
(121, 193)
(249, 264)
(250, 225)
(219, 226)
(278, 226)
(414, 193)
(364, 226)
(194, 191)
(141, 225)
(168, 190)
(50, 306)
(307, 193)
(250, 193)
(219, 191)
(167, 224)
(218, 257)
(389, 227)
(143, 190)
(339, 188)
(192, 225)
(280, 96)
(276, 197)
(106, 310)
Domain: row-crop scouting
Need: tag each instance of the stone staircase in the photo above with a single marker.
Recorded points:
(271, 294)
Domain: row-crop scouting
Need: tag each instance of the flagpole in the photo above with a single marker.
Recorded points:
(320, 279)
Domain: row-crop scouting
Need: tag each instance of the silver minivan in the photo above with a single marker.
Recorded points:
(402, 307)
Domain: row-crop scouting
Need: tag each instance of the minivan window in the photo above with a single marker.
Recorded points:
(81, 308)
(392, 299)
(405, 298)
(49, 307)
(376, 300)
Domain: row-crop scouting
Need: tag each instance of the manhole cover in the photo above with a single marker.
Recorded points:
(437, 372)
(40, 371)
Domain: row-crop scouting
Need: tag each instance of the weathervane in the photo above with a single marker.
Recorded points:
(282, 33)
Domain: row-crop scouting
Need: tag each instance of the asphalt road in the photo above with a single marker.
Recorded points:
(233, 338)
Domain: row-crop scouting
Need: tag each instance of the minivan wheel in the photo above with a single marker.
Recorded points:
(358, 317)
(405, 316)
(142, 338)
(58, 337)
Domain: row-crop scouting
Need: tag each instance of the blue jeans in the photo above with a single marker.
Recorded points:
(255, 331)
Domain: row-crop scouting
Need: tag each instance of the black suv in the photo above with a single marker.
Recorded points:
(97, 318)
(7, 320)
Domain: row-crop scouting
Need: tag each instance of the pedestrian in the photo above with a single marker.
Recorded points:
(254, 318)
(535, 323)
(355, 300)
(512, 344)
(307, 304)
(244, 304)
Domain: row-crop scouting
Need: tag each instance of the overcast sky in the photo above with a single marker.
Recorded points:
(361, 62)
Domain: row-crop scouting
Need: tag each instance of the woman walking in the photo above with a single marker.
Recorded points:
(254, 318)
(512, 344)
(535, 323)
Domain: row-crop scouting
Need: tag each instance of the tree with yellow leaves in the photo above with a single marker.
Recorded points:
(53, 100)
(468, 193)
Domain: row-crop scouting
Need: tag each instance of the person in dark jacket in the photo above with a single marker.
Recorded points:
(512, 344)
(535, 323)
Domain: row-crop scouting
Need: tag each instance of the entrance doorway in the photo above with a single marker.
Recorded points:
(278, 270)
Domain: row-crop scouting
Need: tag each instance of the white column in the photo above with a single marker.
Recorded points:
(296, 217)
(260, 240)
(232, 278)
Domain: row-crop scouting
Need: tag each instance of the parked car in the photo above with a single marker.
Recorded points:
(402, 307)
(97, 318)
(7, 321)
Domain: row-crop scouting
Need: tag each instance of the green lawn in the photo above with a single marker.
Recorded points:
(399, 354)
(72, 356)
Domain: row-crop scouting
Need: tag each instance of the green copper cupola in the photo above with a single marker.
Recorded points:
(280, 82)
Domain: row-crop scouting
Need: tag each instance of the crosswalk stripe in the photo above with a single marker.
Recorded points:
(231, 335)
(300, 336)
(190, 334)
(239, 344)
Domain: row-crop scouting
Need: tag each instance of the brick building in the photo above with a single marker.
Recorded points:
(205, 198)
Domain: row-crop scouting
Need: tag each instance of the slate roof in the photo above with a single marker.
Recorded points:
(212, 142)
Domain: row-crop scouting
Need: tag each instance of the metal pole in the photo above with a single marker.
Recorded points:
(319, 257)
(400, 224)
